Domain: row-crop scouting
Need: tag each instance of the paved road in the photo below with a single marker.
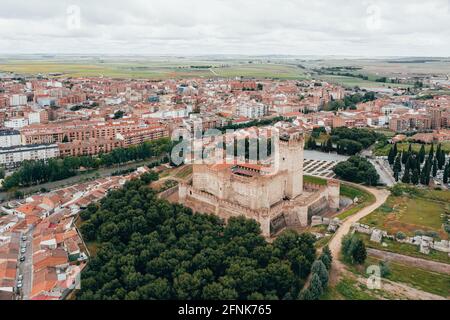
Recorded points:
(417, 262)
(321, 156)
(384, 173)
(102, 172)
(26, 267)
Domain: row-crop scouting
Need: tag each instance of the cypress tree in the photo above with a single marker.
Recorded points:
(404, 157)
(422, 154)
(415, 177)
(435, 168)
(391, 156)
(446, 174)
(406, 177)
(441, 159)
(431, 153)
(329, 145)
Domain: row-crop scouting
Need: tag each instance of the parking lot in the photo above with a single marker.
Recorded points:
(320, 164)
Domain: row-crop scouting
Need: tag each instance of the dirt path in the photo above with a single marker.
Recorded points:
(338, 269)
(335, 244)
(403, 291)
(416, 262)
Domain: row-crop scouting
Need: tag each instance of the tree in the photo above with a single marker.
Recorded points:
(315, 289)
(357, 169)
(425, 174)
(400, 235)
(326, 257)
(446, 174)
(118, 114)
(405, 157)
(440, 157)
(422, 154)
(319, 268)
(353, 249)
(384, 269)
(431, 153)
(397, 168)
(311, 143)
(415, 177)
(149, 248)
(435, 168)
(329, 145)
(2, 173)
(391, 156)
(359, 252)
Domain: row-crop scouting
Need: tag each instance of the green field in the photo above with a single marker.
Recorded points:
(315, 180)
(423, 210)
(349, 289)
(429, 281)
(153, 69)
(351, 82)
(159, 68)
(425, 280)
(380, 150)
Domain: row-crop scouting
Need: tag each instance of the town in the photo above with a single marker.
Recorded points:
(67, 142)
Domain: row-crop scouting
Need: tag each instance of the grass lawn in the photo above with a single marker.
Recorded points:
(348, 289)
(314, 180)
(364, 199)
(388, 133)
(422, 279)
(411, 212)
(433, 282)
(184, 172)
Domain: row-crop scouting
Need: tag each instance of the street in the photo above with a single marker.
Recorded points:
(26, 267)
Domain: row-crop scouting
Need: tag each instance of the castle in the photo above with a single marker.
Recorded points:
(276, 199)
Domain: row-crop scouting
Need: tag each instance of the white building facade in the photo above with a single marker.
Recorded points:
(13, 156)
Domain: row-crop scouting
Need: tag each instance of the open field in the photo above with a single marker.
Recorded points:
(251, 67)
(408, 213)
(350, 82)
(153, 69)
(415, 277)
(387, 67)
(403, 146)
(348, 289)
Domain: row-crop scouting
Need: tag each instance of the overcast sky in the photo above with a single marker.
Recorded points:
(252, 27)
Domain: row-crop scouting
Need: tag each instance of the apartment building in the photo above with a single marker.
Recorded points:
(12, 156)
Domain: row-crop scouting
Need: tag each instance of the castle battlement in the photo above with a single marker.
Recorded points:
(273, 199)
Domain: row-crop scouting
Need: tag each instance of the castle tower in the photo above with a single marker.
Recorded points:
(291, 160)
(333, 193)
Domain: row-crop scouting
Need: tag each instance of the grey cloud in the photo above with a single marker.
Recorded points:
(230, 26)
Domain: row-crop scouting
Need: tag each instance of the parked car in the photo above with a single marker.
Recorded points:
(20, 277)
(19, 285)
(22, 259)
(24, 238)
(23, 250)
